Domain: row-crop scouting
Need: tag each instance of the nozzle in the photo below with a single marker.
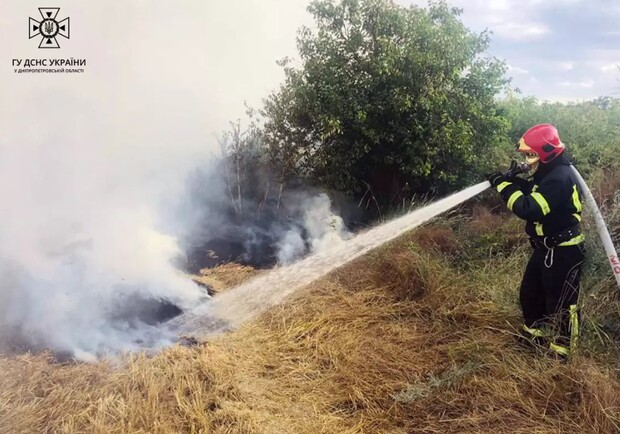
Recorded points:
(516, 169)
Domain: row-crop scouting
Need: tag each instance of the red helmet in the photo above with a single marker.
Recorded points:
(542, 140)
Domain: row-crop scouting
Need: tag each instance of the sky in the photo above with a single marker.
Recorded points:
(557, 50)
(157, 70)
(189, 66)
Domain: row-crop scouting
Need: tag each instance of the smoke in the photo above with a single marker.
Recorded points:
(320, 229)
(95, 209)
(263, 227)
(88, 243)
(96, 217)
(81, 233)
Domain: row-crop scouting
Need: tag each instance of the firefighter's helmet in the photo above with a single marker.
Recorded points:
(541, 142)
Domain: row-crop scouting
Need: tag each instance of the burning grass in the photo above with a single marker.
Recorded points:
(400, 341)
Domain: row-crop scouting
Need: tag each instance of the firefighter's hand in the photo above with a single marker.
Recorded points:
(512, 171)
(496, 178)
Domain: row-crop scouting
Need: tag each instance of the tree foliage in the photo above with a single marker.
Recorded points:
(589, 129)
(386, 95)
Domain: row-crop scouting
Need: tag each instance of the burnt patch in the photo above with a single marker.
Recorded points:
(136, 308)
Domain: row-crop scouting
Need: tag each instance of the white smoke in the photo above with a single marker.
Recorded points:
(92, 165)
(80, 233)
(290, 247)
(323, 228)
(86, 238)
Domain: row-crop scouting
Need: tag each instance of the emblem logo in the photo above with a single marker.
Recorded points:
(48, 28)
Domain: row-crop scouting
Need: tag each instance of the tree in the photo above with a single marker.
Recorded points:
(242, 158)
(386, 95)
(589, 129)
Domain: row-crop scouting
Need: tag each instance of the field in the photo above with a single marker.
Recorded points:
(417, 337)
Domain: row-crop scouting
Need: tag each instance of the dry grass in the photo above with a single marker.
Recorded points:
(400, 341)
(439, 237)
(181, 390)
(225, 276)
(605, 184)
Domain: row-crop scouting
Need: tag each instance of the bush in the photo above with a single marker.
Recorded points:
(388, 97)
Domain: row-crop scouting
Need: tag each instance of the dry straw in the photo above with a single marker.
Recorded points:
(416, 337)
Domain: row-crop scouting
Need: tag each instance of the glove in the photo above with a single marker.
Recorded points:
(496, 178)
(516, 169)
(512, 171)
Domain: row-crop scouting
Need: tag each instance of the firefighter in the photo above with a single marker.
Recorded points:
(550, 203)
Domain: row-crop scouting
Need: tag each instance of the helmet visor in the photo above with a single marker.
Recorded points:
(531, 158)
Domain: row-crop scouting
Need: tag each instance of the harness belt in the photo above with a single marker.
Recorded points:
(568, 237)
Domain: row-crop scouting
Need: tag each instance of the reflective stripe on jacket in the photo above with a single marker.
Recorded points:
(550, 202)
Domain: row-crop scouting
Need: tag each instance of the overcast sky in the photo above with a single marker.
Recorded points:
(184, 68)
(555, 49)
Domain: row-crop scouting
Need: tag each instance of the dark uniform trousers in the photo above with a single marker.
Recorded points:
(549, 292)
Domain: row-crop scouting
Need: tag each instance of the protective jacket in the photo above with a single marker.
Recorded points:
(550, 202)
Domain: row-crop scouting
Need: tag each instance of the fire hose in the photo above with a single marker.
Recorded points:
(601, 227)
